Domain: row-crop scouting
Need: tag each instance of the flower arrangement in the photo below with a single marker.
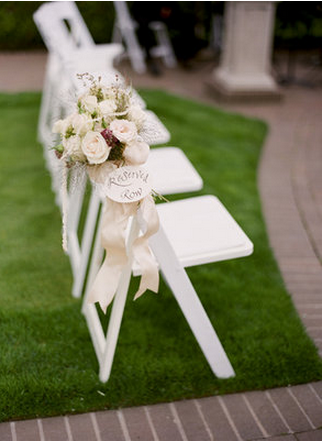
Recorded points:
(105, 126)
(106, 135)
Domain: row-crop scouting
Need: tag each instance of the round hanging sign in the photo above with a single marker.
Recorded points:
(128, 184)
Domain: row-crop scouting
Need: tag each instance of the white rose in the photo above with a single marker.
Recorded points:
(136, 153)
(72, 146)
(107, 107)
(95, 148)
(60, 126)
(80, 122)
(89, 103)
(125, 131)
(137, 115)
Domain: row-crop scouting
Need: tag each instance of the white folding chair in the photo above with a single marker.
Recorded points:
(192, 231)
(125, 31)
(163, 49)
(71, 50)
(172, 173)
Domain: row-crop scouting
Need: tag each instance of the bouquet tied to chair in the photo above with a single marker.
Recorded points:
(106, 133)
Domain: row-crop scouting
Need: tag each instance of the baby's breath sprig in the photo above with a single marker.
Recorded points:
(86, 78)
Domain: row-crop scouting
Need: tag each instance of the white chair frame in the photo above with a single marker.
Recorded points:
(172, 268)
(125, 31)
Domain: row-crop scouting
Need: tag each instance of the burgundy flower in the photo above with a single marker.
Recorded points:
(110, 139)
(117, 147)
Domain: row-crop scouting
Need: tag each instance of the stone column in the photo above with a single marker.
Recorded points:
(244, 70)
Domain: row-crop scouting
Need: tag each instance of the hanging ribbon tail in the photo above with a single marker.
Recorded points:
(106, 281)
(149, 222)
(114, 222)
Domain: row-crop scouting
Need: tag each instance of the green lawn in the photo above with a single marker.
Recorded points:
(47, 362)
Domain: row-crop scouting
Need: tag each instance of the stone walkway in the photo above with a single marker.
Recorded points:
(290, 182)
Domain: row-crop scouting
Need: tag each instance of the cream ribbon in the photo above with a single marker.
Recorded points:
(114, 223)
(149, 222)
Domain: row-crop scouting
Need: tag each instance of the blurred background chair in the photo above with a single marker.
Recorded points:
(124, 31)
(137, 34)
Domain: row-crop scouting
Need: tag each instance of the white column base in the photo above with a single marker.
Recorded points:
(227, 86)
(244, 70)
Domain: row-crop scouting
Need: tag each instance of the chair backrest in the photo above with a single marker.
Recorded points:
(62, 27)
(124, 30)
(123, 15)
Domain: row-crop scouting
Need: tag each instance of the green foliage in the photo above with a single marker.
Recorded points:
(298, 25)
(19, 32)
(99, 18)
(47, 362)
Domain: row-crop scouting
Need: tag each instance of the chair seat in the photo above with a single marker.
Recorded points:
(201, 231)
(99, 57)
(172, 172)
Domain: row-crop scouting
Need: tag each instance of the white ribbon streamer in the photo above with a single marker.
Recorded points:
(114, 223)
(149, 222)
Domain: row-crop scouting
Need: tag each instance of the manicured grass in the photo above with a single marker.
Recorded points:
(47, 362)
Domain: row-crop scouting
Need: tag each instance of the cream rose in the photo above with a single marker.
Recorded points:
(136, 153)
(80, 123)
(60, 126)
(95, 148)
(125, 131)
(89, 103)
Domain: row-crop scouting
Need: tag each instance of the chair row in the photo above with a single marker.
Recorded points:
(180, 242)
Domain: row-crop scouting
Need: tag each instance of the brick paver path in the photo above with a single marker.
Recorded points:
(292, 413)
(290, 182)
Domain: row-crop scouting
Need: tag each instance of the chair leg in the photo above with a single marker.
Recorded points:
(86, 244)
(190, 305)
(96, 261)
(118, 307)
(105, 352)
(75, 202)
(115, 324)
(89, 310)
